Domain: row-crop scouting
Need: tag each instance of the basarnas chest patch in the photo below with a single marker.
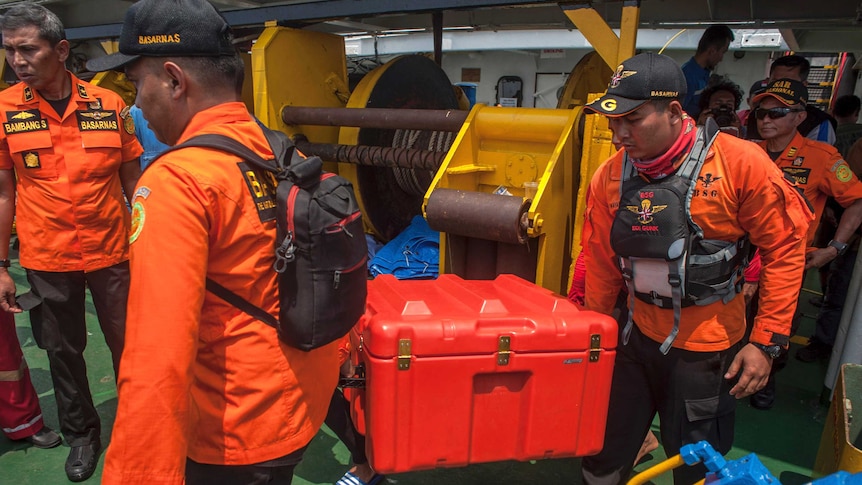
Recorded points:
(97, 120)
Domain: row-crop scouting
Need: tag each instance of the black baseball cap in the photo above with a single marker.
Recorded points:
(162, 28)
(637, 80)
(758, 87)
(789, 91)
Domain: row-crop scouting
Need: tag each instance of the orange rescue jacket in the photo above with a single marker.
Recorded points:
(738, 191)
(71, 214)
(821, 172)
(199, 378)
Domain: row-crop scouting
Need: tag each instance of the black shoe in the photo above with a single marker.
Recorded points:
(82, 461)
(815, 350)
(44, 438)
(764, 399)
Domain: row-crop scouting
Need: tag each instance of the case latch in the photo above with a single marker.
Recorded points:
(404, 353)
(503, 352)
(595, 347)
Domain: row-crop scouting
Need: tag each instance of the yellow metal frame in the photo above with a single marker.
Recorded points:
(837, 450)
(614, 50)
(118, 83)
(293, 67)
(597, 148)
(507, 147)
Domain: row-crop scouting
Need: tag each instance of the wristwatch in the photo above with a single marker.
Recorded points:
(5, 263)
(840, 246)
(772, 350)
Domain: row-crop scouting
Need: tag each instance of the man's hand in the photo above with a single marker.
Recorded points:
(749, 288)
(7, 293)
(755, 366)
(820, 257)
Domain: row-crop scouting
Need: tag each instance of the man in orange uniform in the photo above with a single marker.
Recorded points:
(72, 147)
(819, 169)
(208, 394)
(691, 380)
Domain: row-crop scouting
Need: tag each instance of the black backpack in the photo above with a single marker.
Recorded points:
(320, 252)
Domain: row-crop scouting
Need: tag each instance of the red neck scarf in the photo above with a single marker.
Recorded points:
(666, 163)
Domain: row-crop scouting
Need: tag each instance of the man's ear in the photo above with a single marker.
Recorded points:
(675, 112)
(62, 48)
(177, 79)
(800, 117)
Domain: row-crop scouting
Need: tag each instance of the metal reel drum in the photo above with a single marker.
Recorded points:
(391, 197)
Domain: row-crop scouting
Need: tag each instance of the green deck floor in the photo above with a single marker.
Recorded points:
(785, 438)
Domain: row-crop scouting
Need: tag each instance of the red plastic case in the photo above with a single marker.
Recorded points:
(462, 372)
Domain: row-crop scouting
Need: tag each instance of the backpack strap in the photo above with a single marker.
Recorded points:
(280, 145)
(241, 303)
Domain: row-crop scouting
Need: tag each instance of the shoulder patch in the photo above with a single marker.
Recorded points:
(138, 217)
(128, 121)
(142, 192)
(843, 173)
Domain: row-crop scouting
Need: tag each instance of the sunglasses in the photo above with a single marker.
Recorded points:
(774, 113)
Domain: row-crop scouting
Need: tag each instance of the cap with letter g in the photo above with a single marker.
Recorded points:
(637, 80)
(164, 28)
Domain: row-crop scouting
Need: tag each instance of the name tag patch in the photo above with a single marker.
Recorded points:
(97, 120)
(261, 186)
(24, 122)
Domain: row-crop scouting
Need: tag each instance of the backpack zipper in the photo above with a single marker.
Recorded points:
(285, 252)
(336, 277)
(342, 224)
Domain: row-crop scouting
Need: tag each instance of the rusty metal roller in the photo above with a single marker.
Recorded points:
(476, 214)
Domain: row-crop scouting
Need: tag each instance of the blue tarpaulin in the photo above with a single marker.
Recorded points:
(415, 253)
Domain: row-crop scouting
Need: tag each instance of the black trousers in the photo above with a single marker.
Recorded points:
(275, 472)
(59, 327)
(339, 421)
(686, 389)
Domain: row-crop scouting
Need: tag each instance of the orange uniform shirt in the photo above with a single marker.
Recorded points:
(70, 214)
(821, 172)
(738, 191)
(199, 377)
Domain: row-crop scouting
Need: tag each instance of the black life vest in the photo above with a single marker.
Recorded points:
(662, 253)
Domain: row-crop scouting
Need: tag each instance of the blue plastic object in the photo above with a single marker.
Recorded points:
(840, 478)
(469, 91)
(747, 470)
